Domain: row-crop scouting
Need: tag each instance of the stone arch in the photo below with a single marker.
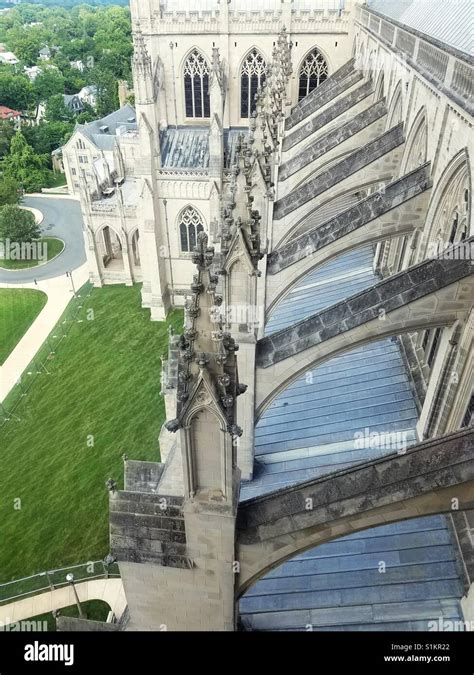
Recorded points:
(206, 427)
(415, 155)
(395, 110)
(237, 290)
(279, 526)
(111, 247)
(195, 71)
(360, 56)
(275, 378)
(416, 146)
(379, 86)
(449, 213)
(355, 45)
(312, 71)
(371, 64)
(252, 75)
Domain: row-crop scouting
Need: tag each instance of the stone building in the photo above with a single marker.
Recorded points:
(314, 162)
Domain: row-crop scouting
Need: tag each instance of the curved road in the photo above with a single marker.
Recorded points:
(63, 219)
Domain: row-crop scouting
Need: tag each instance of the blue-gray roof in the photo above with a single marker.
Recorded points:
(188, 147)
(309, 431)
(119, 118)
(450, 21)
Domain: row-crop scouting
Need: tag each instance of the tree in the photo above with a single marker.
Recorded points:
(18, 225)
(25, 42)
(48, 83)
(16, 91)
(9, 191)
(57, 111)
(107, 90)
(87, 115)
(47, 136)
(74, 80)
(7, 131)
(23, 165)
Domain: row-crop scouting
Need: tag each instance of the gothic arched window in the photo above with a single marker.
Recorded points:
(190, 224)
(252, 76)
(196, 85)
(452, 219)
(312, 73)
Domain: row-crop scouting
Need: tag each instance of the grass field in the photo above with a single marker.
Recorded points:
(101, 400)
(56, 180)
(54, 248)
(18, 309)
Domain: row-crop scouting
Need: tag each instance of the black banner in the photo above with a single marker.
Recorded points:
(136, 653)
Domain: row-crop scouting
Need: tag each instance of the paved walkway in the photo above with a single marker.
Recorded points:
(62, 218)
(59, 292)
(109, 590)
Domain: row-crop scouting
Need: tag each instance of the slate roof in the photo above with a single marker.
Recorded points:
(308, 431)
(119, 118)
(450, 21)
(188, 147)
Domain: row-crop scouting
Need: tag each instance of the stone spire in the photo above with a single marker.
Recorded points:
(207, 382)
(141, 57)
(217, 69)
(241, 218)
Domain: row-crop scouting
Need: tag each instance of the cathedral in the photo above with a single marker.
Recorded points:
(296, 174)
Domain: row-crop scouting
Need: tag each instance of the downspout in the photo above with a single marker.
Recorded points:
(174, 86)
(165, 202)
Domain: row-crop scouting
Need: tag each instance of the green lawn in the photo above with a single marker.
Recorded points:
(104, 387)
(18, 309)
(54, 248)
(56, 180)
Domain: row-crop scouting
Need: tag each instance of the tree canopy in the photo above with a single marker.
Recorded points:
(18, 225)
(97, 36)
(24, 165)
(9, 191)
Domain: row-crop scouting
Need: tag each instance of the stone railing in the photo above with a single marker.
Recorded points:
(246, 21)
(183, 174)
(112, 207)
(192, 21)
(449, 69)
(319, 21)
(101, 207)
(255, 21)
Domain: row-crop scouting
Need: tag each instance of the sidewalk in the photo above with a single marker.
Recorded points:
(110, 591)
(59, 292)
